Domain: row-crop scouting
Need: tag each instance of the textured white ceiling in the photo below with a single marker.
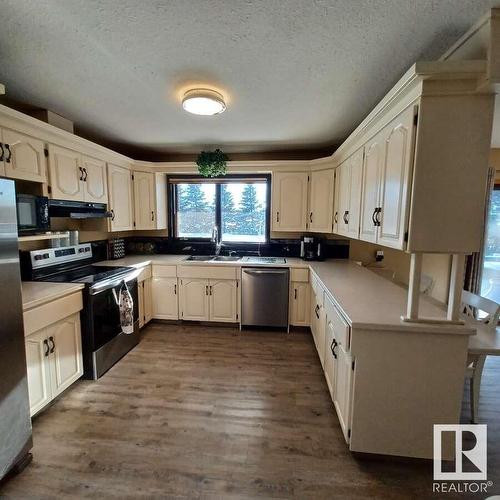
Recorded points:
(296, 73)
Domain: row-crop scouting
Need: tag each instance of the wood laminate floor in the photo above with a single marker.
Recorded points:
(205, 412)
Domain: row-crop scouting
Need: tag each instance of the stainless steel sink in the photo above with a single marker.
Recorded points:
(200, 258)
(226, 258)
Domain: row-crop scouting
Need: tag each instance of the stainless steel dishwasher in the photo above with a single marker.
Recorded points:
(264, 296)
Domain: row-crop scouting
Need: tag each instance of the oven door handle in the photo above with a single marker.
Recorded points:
(113, 282)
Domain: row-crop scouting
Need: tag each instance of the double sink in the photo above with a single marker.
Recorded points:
(213, 258)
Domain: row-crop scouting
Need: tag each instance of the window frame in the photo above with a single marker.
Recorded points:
(218, 181)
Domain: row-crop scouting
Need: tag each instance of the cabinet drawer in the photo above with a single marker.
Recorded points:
(145, 274)
(209, 272)
(164, 271)
(299, 274)
(339, 325)
(39, 317)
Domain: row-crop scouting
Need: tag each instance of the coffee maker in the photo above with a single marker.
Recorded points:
(311, 248)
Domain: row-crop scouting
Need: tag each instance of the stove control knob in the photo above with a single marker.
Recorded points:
(39, 257)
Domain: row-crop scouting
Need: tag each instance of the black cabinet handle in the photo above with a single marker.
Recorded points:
(311, 217)
(112, 214)
(2, 152)
(86, 174)
(46, 346)
(335, 217)
(374, 220)
(333, 345)
(81, 173)
(316, 310)
(295, 293)
(277, 216)
(377, 216)
(346, 217)
(51, 340)
(175, 288)
(152, 215)
(206, 290)
(7, 158)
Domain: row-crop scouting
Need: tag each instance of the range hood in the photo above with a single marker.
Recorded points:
(77, 209)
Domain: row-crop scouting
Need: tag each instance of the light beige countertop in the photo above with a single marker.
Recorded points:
(139, 261)
(370, 301)
(37, 293)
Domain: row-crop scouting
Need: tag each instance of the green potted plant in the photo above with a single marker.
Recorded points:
(212, 163)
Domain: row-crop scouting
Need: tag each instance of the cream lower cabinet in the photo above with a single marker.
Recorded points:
(54, 360)
(299, 303)
(321, 201)
(22, 157)
(223, 300)
(318, 320)
(289, 201)
(121, 201)
(194, 299)
(165, 298)
(144, 292)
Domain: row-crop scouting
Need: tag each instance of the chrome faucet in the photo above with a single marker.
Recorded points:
(216, 239)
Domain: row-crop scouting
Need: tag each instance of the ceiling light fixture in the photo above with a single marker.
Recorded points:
(203, 102)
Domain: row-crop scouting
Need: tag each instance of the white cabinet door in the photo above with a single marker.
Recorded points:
(321, 201)
(318, 324)
(24, 157)
(140, 297)
(144, 200)
(336, 200)
(395, 174)
(95, 180)
(194, 303)
(66, 174)
(342, 390)
(289, 201)
(300, 303)
(355, 173)
(165, 298)
(223, 300)
(370, 189)
(120, 198)
(65, 344)
(329, 365)
(38, 369)
(148, 300)
(344, 192)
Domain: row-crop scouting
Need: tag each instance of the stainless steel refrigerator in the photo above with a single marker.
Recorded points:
(15, 422)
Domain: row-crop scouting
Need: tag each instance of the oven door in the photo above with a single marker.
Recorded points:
(104, 341)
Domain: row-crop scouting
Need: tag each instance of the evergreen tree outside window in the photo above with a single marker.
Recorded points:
(238, 208)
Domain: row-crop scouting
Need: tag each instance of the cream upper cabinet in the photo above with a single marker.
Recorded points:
(150, 200)
(95, 180)
(194, 299)
(395, 180)
(66, 174)
(120, 191)
(289, 201)
(386, 182)
(299, 303)
(164, 297)
(374, 151)
(223, 300)
(24, 157)
(348, 177)
(321, 201)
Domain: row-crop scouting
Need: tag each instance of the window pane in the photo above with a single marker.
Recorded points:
(243, 212)
(195, 210)
(490, 284)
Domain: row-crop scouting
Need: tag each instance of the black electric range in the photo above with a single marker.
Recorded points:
(103, 341)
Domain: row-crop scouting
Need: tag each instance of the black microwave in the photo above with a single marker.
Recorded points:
(32, 214)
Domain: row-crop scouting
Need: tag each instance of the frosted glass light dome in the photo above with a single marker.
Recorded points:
(203, 102)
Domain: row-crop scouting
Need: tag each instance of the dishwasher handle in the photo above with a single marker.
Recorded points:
(265, 271)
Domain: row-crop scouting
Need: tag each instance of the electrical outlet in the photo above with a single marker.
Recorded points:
(379, 255)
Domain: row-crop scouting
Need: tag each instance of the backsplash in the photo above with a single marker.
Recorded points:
(338, 249)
